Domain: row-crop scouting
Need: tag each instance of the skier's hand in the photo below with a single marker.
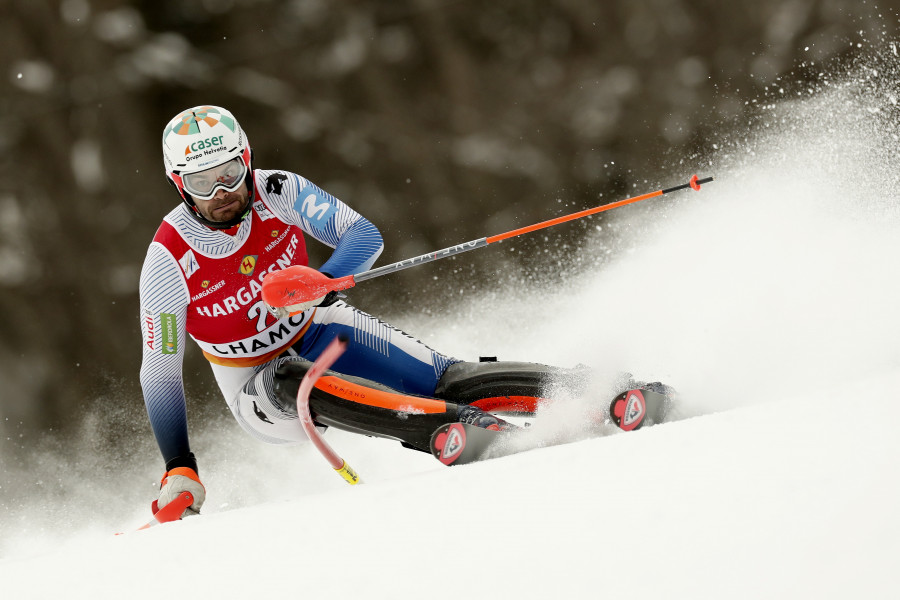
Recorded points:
(176, 481)
(281, 312)
(296, 308)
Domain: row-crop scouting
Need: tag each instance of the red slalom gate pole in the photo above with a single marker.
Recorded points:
(325, 360)
(299, 284)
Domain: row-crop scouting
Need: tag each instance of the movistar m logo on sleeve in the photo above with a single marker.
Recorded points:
(316, 210)
(168, 333)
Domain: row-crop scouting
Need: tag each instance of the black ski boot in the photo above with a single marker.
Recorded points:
(472, 415)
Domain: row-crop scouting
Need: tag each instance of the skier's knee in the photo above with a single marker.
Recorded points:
(286, 383)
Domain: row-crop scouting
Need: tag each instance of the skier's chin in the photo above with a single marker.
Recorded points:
(231, 207)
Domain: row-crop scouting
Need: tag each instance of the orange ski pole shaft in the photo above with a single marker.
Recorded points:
(298, 284)
(694, 184)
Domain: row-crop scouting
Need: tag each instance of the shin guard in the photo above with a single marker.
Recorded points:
(363, 406)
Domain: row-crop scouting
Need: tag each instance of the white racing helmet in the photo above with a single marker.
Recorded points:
(204, 150)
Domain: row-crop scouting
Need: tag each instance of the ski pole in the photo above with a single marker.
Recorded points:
(321, 364)
(299, 284)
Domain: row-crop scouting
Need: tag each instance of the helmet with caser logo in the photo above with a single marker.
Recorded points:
(204, 150)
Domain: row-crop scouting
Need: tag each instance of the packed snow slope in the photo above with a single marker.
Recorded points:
(769, 299)
(795, 498)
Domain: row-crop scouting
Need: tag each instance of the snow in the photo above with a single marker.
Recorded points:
(768, 299)
(787, 499)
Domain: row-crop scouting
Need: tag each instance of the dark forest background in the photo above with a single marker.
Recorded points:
(441, 121)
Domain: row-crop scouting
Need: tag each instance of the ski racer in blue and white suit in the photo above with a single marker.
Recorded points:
(227, 232)
(202, 278)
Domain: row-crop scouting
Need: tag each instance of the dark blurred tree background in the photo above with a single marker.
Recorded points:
(441, 121)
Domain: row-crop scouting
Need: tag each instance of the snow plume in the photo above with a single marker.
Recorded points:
(70, 490)
(53, 486)
(775, 278)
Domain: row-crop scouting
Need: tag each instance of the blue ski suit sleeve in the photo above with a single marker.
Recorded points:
(356, 241)
(356, 250)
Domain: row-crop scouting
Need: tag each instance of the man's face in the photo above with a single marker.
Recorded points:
(224, 206)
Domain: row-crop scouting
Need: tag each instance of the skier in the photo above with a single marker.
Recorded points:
(203, 277)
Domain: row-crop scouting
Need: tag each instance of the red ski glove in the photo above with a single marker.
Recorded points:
(293, 309)
(181, 479)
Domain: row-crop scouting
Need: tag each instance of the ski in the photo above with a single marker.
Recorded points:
(640, 407)
(462, 443)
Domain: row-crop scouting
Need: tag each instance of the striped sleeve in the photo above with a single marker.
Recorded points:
(164, 302)
(357, 250)
(356, 241)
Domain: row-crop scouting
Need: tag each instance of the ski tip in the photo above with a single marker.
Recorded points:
(448, 442)
(639, 408)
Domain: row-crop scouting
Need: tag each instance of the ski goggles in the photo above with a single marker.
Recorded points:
(228, 176)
